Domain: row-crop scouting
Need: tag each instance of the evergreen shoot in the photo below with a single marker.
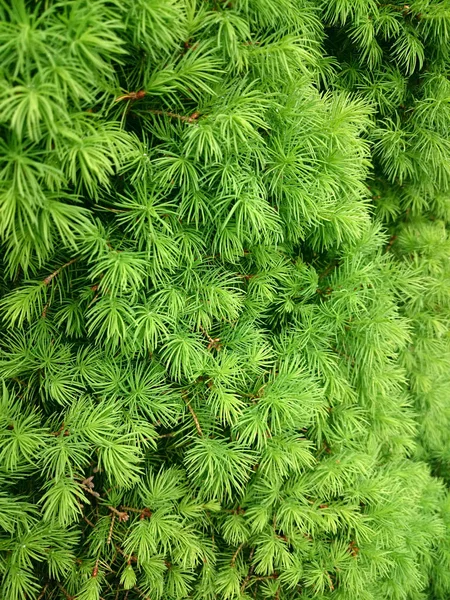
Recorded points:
(224, 300)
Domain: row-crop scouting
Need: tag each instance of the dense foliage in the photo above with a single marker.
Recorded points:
(225, 299)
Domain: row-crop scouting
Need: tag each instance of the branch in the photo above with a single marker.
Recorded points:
(50, 277)
(123, 516)
(95, 570)
(88, 521)
(145, 513)
(90, 491)
(328, 269)
(167, 113)
(405, 9)
(250, 572)
(129, 558)
(141, 593)
(391, 243)
(44, 589)
(331, 582)
(132, 96)
(65, 592)
(194, 416)
(235, 555)
(111, 529)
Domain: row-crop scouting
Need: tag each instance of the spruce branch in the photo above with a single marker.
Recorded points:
(125, 555)
(132, 96)
(88, 486)
(43, 591)
(90, 523)
(204, 222)
(165, 113)
(65, 592)
(330, 582)
(250, 571)
(194, 416)
(50, 277)
(111, 529)
(392, 241)
(141, 593)
(213, 343)
(122, 515)
(94, 573)
(235, 555)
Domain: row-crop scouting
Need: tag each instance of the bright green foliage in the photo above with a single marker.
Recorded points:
(225, 300)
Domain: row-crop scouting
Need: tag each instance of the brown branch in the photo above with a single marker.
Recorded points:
(65, 592)
(88, 521)
(250, 572)
(50, 277)
(111, 528)
(343, 355)
(194, 416)
(391, 243)
(95, 569)
(145, 513)
(129, 558)
(87, 489)
(167, 113)
(132, 96)
(141, 593)
(405, 9)
(131, 509)
(42, 594)
(62, 430)
(214, 343)
(235, 555)
(123, 516)
(331, 582)
(328, 269)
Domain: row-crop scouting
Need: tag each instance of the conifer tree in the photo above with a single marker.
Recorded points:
(224, 300)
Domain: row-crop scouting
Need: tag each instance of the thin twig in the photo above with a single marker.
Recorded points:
(95, 569)
(123, 516)
(131, 509)
(235, 555)
(331, 582)
(111, 527)
(328, 269)
(391, 243)
(141, 593)
(128, 557)
(65, 592)
(87, 489)
(194, 416)
(50, 277)
(250, 572)
(88, 522)
(42, 594)
(167, 113)
(132, 96)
